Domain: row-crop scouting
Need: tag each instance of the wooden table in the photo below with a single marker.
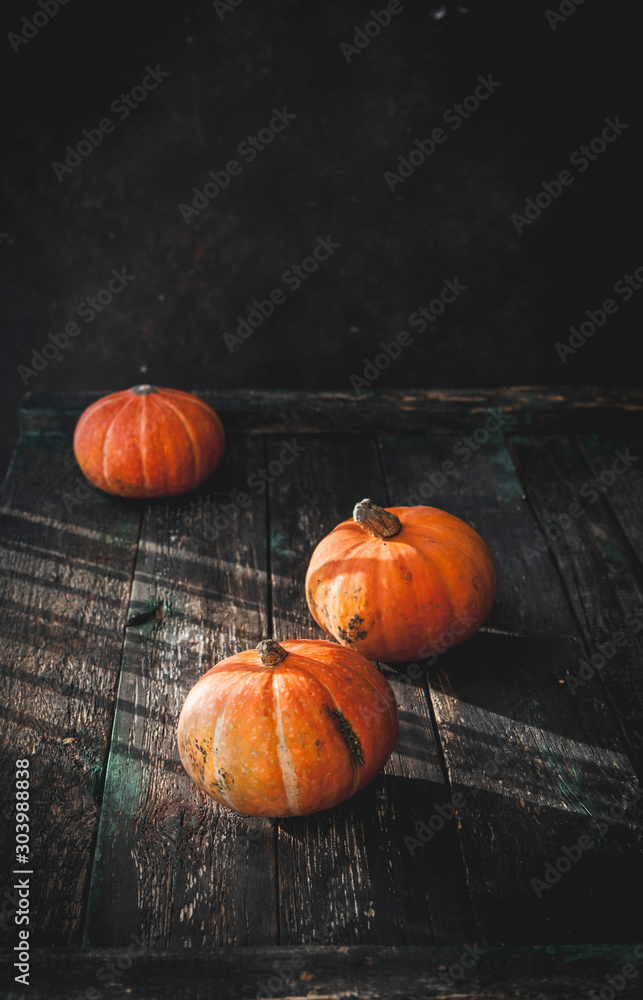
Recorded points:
(537, 870)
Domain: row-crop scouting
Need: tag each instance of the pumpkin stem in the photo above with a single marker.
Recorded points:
(271, 652)
(144, 390)
(375, 520)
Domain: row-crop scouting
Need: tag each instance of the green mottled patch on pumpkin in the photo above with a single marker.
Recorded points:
(348, 734)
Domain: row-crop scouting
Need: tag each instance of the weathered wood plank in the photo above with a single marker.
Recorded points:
(495, 973)
(346, 875)
(559, 768)
(292, 411)
(599, 570)
(172, 867)
(625, 493)
(65, 578)
(562, 768)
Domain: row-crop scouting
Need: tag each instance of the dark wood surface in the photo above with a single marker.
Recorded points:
(258, 411)
(112, 609)
(334, 972)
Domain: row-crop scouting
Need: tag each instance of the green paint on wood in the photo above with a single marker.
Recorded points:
(619, 954)
(277, 540)
(508, 485)
(92, 750)
(613, 553)
(121, 801)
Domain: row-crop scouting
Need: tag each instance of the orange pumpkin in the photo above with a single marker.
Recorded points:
(287, 728)
(148, 442)
(401, 583)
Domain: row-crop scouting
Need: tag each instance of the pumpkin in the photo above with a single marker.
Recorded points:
(148, 442)
(288, 728)
(400, 583)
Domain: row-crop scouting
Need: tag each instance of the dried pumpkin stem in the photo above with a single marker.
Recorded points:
(271, 652)
(375, 520)
(144, 390)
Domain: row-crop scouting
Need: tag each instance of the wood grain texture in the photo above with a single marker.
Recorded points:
(599, 570)
(347, 876)
(537, 765)
(624, 495)
(562, 766)
(173, 868)
(65, 578)
(333, 973)
(296, 411)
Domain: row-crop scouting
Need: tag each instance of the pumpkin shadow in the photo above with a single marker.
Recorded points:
(372, 836)
(521, 677)
(402, 841)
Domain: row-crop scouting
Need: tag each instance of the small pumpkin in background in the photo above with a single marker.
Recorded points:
(400, 583)
(148, 442)
(288, 728)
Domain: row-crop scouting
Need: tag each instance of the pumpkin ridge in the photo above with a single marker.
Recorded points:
(454, 540)
(222, 789)
(363, 676)
(200, 404)
(284, 757)
(196, 456)
(378, 583)
(164, 448)
(98, 405)
(371, 599)
(429, 564)
(333, 597)
(141, 438)
(448, 534)
(354, 761)
(111, 424)
(205, 407)
(283, 741)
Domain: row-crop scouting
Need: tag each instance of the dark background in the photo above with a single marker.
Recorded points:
(322, 175)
